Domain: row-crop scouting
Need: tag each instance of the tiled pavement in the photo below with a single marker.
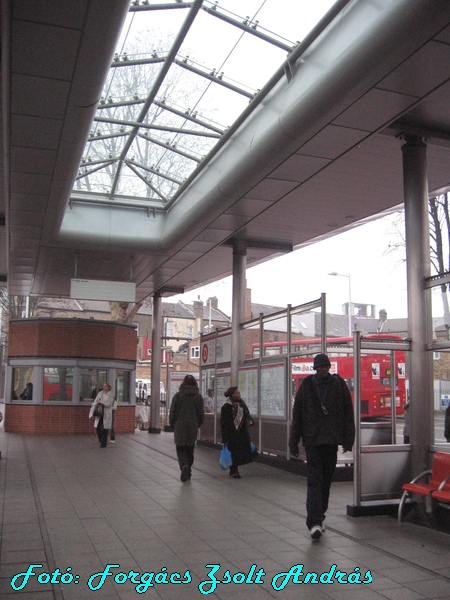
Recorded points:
(75, 508)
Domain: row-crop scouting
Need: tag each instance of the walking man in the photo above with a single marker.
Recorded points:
(323, 418)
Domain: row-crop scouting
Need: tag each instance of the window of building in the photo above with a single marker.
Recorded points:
(195, 351)
(169, 328)
(91, 383)
(122, 385)
(58, 384)
(189, 331)
(22, 386)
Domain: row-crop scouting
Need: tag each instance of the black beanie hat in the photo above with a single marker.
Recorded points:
(321, 360)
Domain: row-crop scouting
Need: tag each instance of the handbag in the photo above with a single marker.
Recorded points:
(253, 450)
(225, 460)
(98, 410)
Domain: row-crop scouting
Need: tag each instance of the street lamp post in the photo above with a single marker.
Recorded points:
(349, 299)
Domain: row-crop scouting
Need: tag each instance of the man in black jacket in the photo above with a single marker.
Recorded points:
(323, 418)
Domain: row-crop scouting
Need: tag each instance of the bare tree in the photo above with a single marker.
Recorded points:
(440, 243)
(161, 156)
(439, 213)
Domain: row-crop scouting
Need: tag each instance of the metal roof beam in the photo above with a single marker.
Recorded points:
(140, 125)
(248, 27)
(214, 77)
(168, 146)
(154, 171)
(190, 116)
(194, 9)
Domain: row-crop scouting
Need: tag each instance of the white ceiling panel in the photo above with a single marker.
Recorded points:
(374, 110)
(39, 96)
(35, 132)
(33, 160)
(299, 168)
(332, 141)
(415, 77)
(270, 189)
(49, 52)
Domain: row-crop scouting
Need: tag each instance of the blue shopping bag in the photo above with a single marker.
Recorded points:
(225, 460)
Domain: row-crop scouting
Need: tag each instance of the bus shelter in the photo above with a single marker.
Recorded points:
(277, 358)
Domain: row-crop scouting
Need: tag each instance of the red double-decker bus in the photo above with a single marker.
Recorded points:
(376, 369)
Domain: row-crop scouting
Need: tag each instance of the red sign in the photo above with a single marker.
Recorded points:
(205, 353)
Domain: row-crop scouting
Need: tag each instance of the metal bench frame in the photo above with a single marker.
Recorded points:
(438, 478)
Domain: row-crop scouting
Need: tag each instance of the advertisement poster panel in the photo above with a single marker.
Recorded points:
(273, 391)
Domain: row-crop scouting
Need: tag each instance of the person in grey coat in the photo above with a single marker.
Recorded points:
(185, 417)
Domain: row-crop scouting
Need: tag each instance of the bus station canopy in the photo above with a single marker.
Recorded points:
(142, 141)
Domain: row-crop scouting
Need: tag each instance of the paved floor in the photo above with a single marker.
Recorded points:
(70, 509)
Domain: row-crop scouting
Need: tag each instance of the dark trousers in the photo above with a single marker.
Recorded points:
(185, 455)
(112, 436)
(320, 467)
(102, 434)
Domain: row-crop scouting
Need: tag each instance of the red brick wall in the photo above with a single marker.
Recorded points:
(58, 338)
(56, 420)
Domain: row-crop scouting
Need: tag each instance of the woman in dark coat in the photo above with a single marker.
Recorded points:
(185, 417)
(234, 420)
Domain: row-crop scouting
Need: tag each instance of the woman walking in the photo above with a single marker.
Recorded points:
(103, 424)
(185, 417)
(234, 420)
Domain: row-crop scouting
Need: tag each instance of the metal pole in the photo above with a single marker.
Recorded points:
(323, 324)
(357, 413)
(154, 426)
(419, 310)
(288, 377)
(239, 272)
(350, 306)
(393, 399)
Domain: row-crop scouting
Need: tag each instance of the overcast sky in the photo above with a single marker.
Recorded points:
(377, 276)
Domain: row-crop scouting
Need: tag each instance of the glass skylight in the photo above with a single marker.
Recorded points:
(182, 74)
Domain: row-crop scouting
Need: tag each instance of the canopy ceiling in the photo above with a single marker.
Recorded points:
(140, 142)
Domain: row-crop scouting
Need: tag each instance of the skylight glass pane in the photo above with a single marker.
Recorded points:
(162, 111)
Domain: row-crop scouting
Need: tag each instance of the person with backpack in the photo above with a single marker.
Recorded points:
(323, 419)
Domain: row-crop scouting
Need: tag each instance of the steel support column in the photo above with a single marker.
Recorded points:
(155, 426)
(238, 307)
(419, 308)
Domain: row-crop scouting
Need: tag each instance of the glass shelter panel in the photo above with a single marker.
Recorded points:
(441, 396)
(275, 335)
(248, 386)
(223, 379)
(251, 341)
(208, 389)
(273, 390)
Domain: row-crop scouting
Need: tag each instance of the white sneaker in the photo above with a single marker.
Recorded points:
(316, 532)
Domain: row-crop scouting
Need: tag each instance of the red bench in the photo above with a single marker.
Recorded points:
(442, 494)
(430, 482)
